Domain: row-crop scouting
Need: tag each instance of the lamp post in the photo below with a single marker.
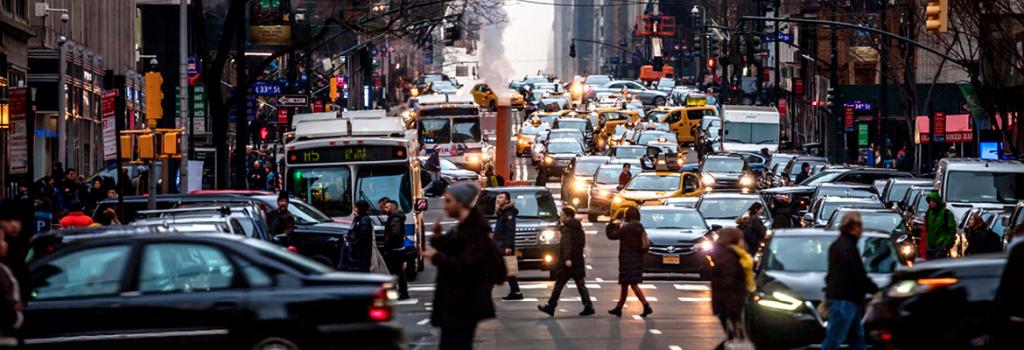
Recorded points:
(700, 11)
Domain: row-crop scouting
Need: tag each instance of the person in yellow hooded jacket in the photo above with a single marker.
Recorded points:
(732, 279)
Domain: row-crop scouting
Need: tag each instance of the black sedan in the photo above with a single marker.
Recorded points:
(679, 240)
(790, 280)
(938, 304)
(204, 290)
(557, 155)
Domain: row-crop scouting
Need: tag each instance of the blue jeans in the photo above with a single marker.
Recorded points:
(844, 325)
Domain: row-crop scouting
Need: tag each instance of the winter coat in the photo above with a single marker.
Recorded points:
(468, 266)
(754, 231)
(631, 252)
(11, 317)
(847, 279)
(983, 240)
(505, 228)
(282, 222)
(940, 226)
(730, 281)
(394, 232)
(570, 248)
(76, 219)
(360, 239)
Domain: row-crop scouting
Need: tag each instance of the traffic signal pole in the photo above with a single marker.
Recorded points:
(183, 105)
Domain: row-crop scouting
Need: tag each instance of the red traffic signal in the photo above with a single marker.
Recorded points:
(711, 63)
(263, 133)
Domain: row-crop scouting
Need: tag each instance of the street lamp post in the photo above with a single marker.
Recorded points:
(696, 11)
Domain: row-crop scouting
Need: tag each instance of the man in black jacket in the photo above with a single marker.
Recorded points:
(846, 285)
(468, 266)
(571, 264)
(505, 236)
(394, 246)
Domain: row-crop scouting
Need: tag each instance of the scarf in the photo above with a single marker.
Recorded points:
(747, 263)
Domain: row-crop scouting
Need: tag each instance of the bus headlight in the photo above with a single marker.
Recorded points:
(548, 236)
(746, 181)
(708, 180)
(473, 158)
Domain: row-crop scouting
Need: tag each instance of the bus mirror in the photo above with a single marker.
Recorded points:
(421, 204)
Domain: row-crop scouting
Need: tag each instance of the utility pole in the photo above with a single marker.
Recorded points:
(833, 84)
(183, 105)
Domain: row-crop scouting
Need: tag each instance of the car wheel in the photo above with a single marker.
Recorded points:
(592, 217)
(275, 343)
(659, 101)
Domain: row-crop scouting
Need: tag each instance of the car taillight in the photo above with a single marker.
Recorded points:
(380, 309)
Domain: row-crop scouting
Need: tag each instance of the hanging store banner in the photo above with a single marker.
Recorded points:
(17, 144)
(107, 104)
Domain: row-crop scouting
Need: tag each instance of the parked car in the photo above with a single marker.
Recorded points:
(937, 304)
(537, 233)
(790, 279)
(200, 290)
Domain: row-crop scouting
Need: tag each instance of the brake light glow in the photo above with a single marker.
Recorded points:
(380, 309)
(937, 282)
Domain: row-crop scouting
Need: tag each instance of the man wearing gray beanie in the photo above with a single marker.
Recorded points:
(469, 265)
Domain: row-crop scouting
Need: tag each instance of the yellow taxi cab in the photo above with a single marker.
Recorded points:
(608, 120)
(484, 96)
(653, 188)
(527, 132)
(516, 99)
(549, 116)
(683, 121)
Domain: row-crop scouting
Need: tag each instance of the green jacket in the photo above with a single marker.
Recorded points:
(940, 226)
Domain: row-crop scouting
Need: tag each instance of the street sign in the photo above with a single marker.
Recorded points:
(862, 134)
(267, 88)
(17, 144)
(193, 66)
(293, 100)
(848, 119)
(939, 126)
(109, 98)
(282, 115)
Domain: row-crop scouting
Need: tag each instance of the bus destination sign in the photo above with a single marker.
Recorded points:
(346, 153)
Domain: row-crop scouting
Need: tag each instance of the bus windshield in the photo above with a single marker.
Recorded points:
(435, 131)
(466, 130)
(752, 133)
(379, 181)
(328, 188)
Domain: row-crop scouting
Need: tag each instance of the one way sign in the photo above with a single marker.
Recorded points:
(293, 100)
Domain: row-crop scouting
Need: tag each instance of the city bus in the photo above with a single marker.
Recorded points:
(333, 163)
(450, 125)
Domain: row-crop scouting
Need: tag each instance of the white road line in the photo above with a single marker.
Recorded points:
(534, 286)
(532, 300)
(647, 286)
(423, 322)
(590, 232)
(649, 299)
(427, 303)
(696, 287)
(655, 331)
(637, 317)
(407, 302)
(590, 267)
(589, 286)
(675, 347)
(563, 310)
(422, 289)
(428, 308)
(691, 299)
(587, 224)
(577, 299)
(599, 279)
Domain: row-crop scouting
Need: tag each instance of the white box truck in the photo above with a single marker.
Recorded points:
(749, 128)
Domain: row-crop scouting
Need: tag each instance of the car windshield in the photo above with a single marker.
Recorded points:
(660, 183)
(326, 188)
(654, 136)
(629, 152)
(897, 190)
(580, 125)
(466, 130)
(565, 148)
(725, 208)
(821, 178)
(529, 129)
(434, 131)
(379, 181)
(587, 168)
(829, 207)
(300, 263)
(530, 204)
(610, 116)
(723, 165)
(597, 80)
(810, 254)
(609, 175)
(984, 187)
(752, 133)
(655, 116)
(871, 221)
(678, 219)
(778, 159)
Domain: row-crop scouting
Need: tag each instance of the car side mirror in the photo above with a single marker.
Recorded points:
(421, 204)
(808, 217)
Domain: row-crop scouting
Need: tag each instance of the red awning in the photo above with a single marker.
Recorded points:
(958, 129)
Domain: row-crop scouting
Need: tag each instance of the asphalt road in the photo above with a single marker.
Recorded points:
(682, 316)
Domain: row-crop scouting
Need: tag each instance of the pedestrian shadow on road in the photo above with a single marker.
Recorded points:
(554, 328)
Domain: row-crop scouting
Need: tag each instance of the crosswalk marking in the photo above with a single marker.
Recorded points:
(590, 267)
(541, 285)
(590, 232)
(694, 299)
(576, 299)
(423, 322)
(696, 287)
(647, 286)
(649, 299)
(422, 289)
(407, 302)
(588, 224)
(589, 286)
(655, 331)
(637, 317)
(675, 347)
(521, 300)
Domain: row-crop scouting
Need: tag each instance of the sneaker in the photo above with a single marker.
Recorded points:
(513, 296)
(548, 309)
(587, 311)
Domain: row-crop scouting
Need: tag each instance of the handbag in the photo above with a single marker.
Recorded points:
(377, 263)
(645, 242)
(511, 265)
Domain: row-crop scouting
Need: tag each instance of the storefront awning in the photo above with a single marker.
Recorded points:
(958, 129)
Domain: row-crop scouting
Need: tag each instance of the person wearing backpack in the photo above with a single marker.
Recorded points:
(633, 244)
(469, 265)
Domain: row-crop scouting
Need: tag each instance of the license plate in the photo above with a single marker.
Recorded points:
(670, 259)
(519, 254)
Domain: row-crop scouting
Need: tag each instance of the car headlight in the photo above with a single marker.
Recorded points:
(602, 193)
(708, 180)
(779, 301)
(747, 181)
(907, 250)
(579, 186)
(473, 158)
(706, 245)
(548, 236)
(617, 200)
(907, 288)
(549, 160)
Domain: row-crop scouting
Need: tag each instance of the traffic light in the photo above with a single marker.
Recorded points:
(452, 34)
(264, 132)
(714, 46)
(711, 62)
(333, 89)
(146, 145)
(698, 45)
(937, 16)
(154, 98)
(830, 97)
(169, 144)
(572, 49)
(127, 152)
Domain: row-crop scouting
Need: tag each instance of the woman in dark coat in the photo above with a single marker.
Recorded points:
(731, 279)
(631, 259)
(360, 239)
(753, 227)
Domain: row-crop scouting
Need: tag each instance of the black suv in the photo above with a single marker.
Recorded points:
(537, 234)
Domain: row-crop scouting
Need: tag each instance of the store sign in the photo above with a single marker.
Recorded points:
(848, 118)
(272, 35)
(939, 126)
(109, 121)
(17, 144)
(862, 134)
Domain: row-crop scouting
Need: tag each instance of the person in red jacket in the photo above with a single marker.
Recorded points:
(624, 176)
(75, 216)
